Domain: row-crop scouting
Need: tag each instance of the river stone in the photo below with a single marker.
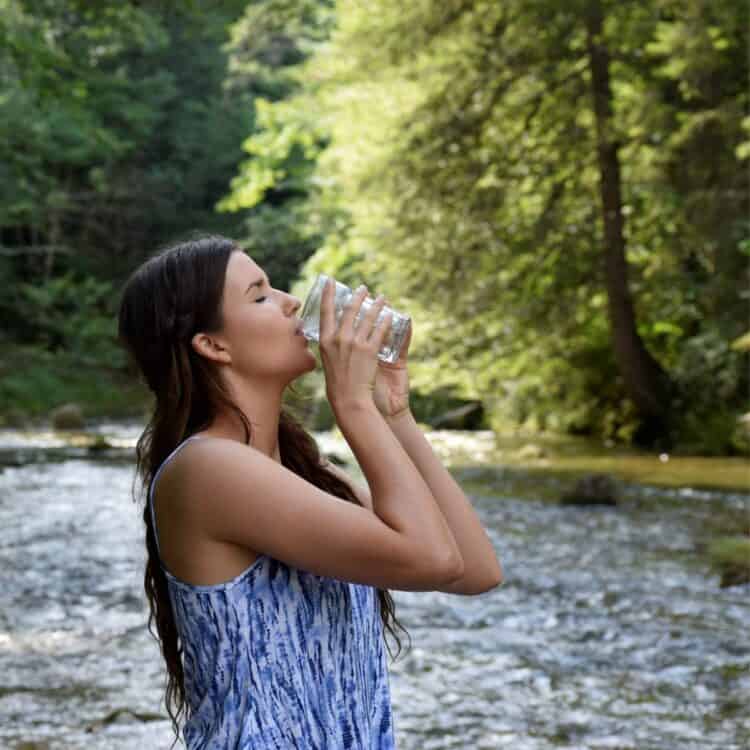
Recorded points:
(99, 445)
(594, 489)
(734, 576)
(117, 713)
(531, 451)
(67, 417)
(467, 417)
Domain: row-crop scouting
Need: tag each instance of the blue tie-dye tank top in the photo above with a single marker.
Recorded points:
(280, 659)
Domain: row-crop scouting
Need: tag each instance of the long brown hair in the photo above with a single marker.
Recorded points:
(165, 302)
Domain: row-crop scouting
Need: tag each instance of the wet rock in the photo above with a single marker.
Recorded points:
(99, 445)
(531, 451)
(67, 417)
(115, 715)
(467, 417)
(594, 489)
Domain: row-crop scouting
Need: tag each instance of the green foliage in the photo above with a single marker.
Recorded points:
(443, 152)
(274, 240)
(34, 381)
(463, 174)
(730, 556)
(734, 549)
(116, 134)
(67, 103)
(268, 44)
(75, 316)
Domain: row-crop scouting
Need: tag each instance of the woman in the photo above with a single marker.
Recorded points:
(263, 559)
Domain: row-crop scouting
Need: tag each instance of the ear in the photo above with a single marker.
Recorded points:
(211, 347)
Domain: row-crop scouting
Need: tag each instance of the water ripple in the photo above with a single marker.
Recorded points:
(607, 633)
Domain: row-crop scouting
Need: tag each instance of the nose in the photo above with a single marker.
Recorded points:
(293, 304)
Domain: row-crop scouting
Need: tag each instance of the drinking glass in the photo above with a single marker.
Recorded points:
(310, 317)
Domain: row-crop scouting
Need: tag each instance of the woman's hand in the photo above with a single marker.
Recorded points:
(349, 354)
(391, 394)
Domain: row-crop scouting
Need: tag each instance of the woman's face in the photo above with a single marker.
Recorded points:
(260, 325)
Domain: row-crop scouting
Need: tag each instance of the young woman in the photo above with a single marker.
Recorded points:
(263, 558)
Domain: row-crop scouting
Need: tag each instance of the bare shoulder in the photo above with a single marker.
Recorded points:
(361, 491)
(236, 495)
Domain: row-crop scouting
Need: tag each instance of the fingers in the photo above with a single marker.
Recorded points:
(351, 310)
(366, 325)
(381, 331)
(327, 313)
(368, 331)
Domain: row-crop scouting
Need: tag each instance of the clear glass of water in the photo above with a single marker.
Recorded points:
(310, 317)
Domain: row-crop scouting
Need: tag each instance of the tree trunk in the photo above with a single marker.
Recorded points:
(647, 384)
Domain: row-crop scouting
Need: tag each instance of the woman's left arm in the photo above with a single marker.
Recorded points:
(391, 396)
(483, 571)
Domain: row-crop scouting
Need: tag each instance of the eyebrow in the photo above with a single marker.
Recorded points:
(259, 282)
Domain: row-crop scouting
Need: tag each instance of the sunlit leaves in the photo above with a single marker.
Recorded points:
(463, 151)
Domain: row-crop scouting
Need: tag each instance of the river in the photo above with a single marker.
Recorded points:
(608, 632)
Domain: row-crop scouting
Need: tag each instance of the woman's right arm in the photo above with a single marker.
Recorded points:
(234, 493)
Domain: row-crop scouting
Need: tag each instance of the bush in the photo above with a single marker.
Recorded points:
(33, 382)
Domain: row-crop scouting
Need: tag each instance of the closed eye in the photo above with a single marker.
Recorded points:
(260, 299)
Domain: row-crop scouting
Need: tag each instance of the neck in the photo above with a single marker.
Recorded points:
(261, 404)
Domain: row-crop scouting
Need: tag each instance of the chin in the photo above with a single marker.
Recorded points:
(310, 364)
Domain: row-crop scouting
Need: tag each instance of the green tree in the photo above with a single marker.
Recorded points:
(472, 144)
(116, 135)
(274, 186)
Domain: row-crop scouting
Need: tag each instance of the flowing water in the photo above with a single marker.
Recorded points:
(609, 631)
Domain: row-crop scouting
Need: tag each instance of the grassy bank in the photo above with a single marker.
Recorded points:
(34, 382)
(730, 557)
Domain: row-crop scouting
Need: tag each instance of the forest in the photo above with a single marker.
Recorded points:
(557, 193)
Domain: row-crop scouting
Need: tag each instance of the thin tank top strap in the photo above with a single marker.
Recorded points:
(153, 485)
